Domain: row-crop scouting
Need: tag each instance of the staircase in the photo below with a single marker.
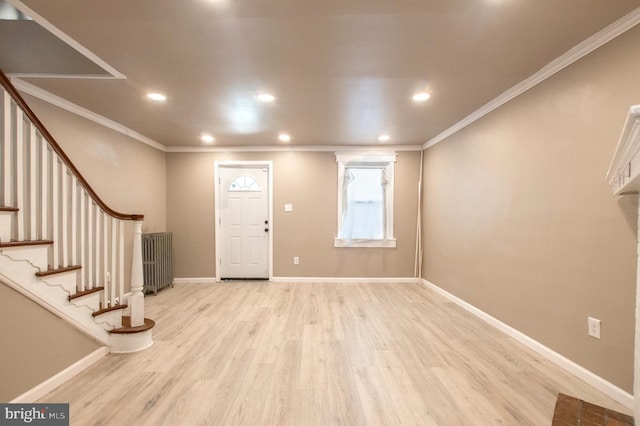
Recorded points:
(60, 244)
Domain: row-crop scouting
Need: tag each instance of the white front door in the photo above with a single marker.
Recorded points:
(243, 221)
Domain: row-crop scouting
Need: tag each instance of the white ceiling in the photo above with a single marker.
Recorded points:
(342, 71)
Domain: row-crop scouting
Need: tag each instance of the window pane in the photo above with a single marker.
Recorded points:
(364, 218)
(244, 184)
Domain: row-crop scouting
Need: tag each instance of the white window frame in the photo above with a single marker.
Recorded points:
(384, 160)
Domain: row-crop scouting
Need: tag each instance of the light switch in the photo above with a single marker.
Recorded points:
(288, 207)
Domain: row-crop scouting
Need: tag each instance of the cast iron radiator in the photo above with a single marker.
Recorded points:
(157, 261)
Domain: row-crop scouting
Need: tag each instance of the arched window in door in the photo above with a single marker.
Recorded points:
(244, 184)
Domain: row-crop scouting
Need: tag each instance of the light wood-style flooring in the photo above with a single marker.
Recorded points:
(261, 353)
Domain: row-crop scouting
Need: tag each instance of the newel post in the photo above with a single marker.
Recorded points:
(136, 299)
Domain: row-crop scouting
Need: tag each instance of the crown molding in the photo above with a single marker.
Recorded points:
(309, 148)
(61, 76)
(49, 97)
(577, 52)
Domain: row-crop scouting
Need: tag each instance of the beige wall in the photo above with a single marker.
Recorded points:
(308, 180)
(519, 221)
(35, 344)
(128, 175)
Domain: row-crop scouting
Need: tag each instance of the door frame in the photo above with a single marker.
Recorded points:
(217, 165)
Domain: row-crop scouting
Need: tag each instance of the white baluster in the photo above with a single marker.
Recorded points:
(97, 244)
(19, 173)
(136, 300)
(88, 266)
(82, 256)
(6, 154)
(33, 183)
(105, 259)
(73, 247)
(64, 216)
(44, 190)
(55, 214)
(121, 260)
(114, 258)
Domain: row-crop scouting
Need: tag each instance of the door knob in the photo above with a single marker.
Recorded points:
(266, 229)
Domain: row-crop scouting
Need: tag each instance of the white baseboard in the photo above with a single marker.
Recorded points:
(210, 280)
(203, 280)
(344, 280)
(577, 370)
(33, 394)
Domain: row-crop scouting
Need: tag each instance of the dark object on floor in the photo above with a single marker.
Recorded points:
(572, 411)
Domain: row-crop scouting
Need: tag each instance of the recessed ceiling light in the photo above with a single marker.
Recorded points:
(421, 97)
(266, 97)
(284, 137)
(384, 138)
(156, 97)
(10, 13)
(207, 138)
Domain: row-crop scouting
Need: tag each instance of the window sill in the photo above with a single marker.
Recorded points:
(389, 243)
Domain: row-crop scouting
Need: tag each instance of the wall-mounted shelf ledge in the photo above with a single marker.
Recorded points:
(624, 171)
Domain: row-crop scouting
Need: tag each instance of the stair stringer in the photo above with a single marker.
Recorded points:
(20, 275)
(67, 281)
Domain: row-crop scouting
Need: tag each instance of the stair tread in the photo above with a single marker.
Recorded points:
(9, 209)
(58, 271)
(86, 292)
(10, 244)
(109, 309)
(127, 329)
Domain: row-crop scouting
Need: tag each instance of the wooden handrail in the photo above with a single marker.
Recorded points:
(6, 83)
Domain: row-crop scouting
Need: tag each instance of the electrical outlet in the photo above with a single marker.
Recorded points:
(296, 260)
(594, 327)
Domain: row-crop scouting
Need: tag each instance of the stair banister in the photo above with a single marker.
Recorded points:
(13, 92)
(97, 223)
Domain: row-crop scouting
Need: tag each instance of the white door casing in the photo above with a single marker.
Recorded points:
(243, 220)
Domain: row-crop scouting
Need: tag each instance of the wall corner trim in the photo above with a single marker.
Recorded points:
(574, 54)
(65, 375)
(577, 370)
